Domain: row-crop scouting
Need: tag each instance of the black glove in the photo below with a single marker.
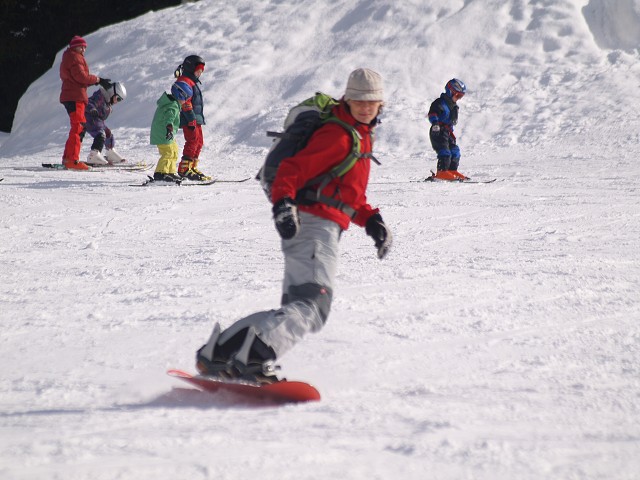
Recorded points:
(285, 215)
(105, 83)
(381, 235)
(169, 132)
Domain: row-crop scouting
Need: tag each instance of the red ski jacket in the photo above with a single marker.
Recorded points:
(75, 76)
(328, 146)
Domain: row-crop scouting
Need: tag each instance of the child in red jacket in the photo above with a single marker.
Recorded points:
(192, 118)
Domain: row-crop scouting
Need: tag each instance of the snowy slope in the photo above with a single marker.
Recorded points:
(499, 339)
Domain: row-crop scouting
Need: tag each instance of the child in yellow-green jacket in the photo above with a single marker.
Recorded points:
(166, 121)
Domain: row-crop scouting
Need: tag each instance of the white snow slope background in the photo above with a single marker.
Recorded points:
(498, 340)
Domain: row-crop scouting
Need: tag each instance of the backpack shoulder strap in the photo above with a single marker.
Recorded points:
(313, 188)
(348, 163)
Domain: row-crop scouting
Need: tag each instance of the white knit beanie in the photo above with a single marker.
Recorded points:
(365, 85)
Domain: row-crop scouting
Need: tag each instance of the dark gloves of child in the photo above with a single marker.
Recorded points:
(169, 135)
(381, 235)
(285, 216)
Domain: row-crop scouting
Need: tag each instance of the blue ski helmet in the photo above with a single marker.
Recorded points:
(455, 86)
(181, 91)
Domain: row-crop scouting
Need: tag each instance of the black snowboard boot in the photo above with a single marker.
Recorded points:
(243, 357)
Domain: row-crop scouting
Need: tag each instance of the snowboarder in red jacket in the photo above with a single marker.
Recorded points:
(310, 235)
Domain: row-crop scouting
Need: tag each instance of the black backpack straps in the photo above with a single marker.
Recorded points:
(308, 195)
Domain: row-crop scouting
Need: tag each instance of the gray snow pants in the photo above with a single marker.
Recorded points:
(311, 260)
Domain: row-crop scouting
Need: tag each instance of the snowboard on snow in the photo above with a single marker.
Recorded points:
(277, 393)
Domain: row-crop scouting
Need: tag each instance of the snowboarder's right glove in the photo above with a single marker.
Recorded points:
(169, 132)
(381, 235)
(285, 215)
(105, 83)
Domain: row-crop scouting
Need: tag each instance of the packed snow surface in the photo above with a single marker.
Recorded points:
(499, 340)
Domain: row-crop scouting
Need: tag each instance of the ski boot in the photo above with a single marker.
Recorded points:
(194, 168)
(188, 169)
(167, 177)
(95, 158)
(74, 164)
(459, 176)
(446, 175)
(114, 157)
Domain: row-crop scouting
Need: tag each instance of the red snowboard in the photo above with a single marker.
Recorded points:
(275, 393)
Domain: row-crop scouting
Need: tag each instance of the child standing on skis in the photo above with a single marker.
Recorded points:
(192, 118)
(98, 110)
(310, 232)
(166, 121)
(75, 76)
(443, 115)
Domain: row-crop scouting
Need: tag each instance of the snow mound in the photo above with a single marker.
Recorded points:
(614, 24)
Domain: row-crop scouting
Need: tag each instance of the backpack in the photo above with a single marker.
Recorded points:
(301, 122)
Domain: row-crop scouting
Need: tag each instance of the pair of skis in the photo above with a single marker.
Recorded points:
(127, 167)
(138, 167)
(149, 182)
(433, 178)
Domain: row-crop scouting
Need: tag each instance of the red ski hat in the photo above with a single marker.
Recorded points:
(77, 41)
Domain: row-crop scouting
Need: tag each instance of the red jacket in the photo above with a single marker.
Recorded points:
(329, 146)
(75, 76)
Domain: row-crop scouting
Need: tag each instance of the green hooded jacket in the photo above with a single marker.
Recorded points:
(167, 112)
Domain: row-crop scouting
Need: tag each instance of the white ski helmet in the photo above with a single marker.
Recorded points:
(115, 89)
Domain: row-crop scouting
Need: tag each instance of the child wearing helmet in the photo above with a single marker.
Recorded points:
(98, 110)
(443, 115)
(192, 118)
(166, 121)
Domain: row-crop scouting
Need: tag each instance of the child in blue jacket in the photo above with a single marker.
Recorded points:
(443, 115)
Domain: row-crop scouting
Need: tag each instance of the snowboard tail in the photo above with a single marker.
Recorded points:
(276, 393)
